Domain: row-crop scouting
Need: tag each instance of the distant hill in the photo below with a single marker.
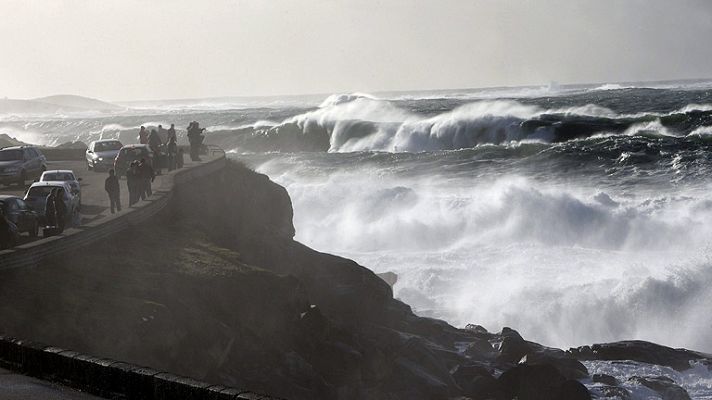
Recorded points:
(86, 103)
(6, 141)
(55, 104)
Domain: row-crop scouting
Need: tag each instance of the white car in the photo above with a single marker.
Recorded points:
(102, 153)
(64, 175)
(36, 198)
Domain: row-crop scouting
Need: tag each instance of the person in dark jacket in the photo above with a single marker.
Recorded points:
(172, 150)
(133, 180)
(60, 208)
(195, 137)
(171, 133)
(155, 143)
(51, 209)
(111, 185)
(147, 176)
(143, 135)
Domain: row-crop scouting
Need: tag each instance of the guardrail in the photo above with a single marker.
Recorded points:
(32, 254)
(109, 378)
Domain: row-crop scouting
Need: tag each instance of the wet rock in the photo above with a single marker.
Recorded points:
(573, 390)
(513, 347)
(665, 386)
(605, 379)
(480, 349)
(477, 382)
(638, 350)
(478, 329)
(616, 392)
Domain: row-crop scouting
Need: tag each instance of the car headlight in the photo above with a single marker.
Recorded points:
(100, 158)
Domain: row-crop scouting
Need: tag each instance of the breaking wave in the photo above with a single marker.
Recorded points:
(359, 122)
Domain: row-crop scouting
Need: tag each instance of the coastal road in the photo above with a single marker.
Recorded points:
(14, 386)
(95, 201)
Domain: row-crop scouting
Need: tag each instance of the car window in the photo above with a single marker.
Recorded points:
(10, 155)
(58, 176)
(107, 146)
(21, 204)
(39, 191)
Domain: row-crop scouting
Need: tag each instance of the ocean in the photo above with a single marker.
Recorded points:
(574, 214)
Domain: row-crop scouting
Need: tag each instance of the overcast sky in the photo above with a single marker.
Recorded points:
(126, 49)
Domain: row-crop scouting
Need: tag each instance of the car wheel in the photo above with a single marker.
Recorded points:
(35, 231)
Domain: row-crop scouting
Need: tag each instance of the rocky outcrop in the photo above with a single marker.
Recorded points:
(638, 350)
(218, 290)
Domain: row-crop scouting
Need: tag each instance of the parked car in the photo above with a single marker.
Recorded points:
(101, 154)
(36, 198)
(20, 214)
(20, 163)
(130, 153)
(64, 175)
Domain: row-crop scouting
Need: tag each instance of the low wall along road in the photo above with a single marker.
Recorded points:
(96, 220)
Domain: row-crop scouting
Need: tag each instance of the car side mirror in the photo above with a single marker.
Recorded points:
(89, 151)
(79, 179)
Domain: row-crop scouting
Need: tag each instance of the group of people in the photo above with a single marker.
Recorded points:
(141, 174)
(139, 177)
(159, 148)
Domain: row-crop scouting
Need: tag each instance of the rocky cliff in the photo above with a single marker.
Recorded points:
(217, 289)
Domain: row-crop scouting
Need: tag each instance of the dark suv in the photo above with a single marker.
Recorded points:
(20, 163)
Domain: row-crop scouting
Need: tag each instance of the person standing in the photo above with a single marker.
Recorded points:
(143, 135)
(111, 185)
(147, 176)
(155, 143)
(133, 182)
(61, 208)
(172, 150)
(195, 137)
(50, 209)
(171, 133)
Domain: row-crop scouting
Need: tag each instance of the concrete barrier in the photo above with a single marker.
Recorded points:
(109, 378)
(33, 253)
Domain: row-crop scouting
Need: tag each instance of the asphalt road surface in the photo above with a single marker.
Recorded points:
(95, 201)
(20, 387)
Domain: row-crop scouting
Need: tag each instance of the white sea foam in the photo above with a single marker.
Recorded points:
(566, 265)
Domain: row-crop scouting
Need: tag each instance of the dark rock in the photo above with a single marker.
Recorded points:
(531, 382)
(476, 328)
(665, 386)
(613, 391)
(567, 366)
(480, 349)
(573, 390)
(477, 382)
(605, 379)
(540, 382)
(638, 350)
(513, 346)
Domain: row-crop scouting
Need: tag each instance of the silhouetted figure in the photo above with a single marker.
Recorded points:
(195, 138)
(154, 143)
(172, 151)
(143, 135)
(133, 181)
(51, 209)
(61, 209)
(171, 133)
(111, 185)
(147, 176)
